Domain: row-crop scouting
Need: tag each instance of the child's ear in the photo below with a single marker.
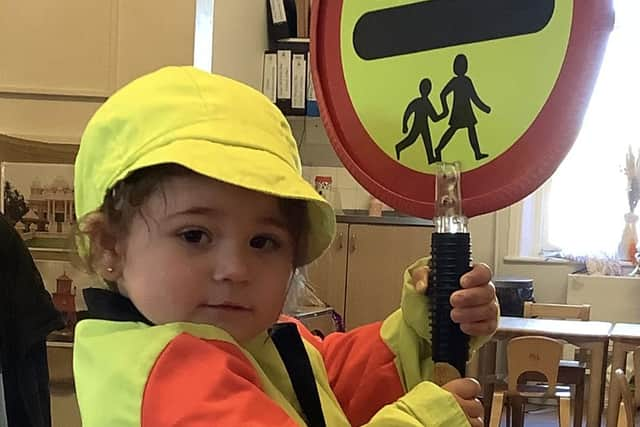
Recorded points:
(106, 249)
(112, 258)
(110, 267)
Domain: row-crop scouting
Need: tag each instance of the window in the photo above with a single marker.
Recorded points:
(203, 35)
(580, 211)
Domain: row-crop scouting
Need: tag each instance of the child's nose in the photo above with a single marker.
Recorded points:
(231, 265)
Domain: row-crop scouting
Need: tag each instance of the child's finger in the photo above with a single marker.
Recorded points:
(472, 407)
(465, 388)
(479, 313)
(421, 287)
(479, 275)
(466, 391)
(419, 274)
(473, 297)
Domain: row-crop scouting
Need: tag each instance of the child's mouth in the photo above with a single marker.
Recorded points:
(229, 306)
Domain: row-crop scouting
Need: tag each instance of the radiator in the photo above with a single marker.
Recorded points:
(612, 298)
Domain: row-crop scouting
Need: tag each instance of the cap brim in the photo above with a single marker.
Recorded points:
(253, 169)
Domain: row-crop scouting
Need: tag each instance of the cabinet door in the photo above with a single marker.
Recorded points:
(59, 61)
(328, 273)
(56, 47)
(85, 47)
(378, 256)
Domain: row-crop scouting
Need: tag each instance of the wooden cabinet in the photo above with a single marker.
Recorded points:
(60, 61)
(90, 47)
(53, 48)
(360, 275)
(328, 274)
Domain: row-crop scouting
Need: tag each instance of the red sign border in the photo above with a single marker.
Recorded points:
(505, 180)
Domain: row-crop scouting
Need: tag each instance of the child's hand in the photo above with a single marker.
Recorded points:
(475, 307)
(466, 391)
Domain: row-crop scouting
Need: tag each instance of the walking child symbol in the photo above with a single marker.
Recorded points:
(462, 112)
(462, 116)
(422, 110)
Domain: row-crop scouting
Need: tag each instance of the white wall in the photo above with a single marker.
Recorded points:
(550, 279)
(483, 230)
(614, 299)
(240, 39)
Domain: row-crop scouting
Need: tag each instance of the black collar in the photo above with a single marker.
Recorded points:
(104, 304)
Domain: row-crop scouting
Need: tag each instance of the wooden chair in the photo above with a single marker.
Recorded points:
(560, 311)
(619, 389)
(572, 372)
(628, 403)
(636, 376)
(627, 411)
(531, 354)
(557, 311)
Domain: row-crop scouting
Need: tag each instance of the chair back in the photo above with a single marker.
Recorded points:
(557, 311)
(533, 354)
(627, 398)
(636, 374)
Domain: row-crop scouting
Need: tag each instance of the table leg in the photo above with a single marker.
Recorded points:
(473, 366)
(603, 380)
(636, 373)
(618, 362)
(517, 411)
(598, 361)
(487, 368)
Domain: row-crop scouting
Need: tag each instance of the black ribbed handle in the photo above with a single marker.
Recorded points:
(450, 259)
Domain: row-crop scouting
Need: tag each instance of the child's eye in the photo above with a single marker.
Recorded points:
(195, 236)
(264, 242)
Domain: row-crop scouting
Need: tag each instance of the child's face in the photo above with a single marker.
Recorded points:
(208, 252)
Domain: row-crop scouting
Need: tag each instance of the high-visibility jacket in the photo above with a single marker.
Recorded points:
(130, 373)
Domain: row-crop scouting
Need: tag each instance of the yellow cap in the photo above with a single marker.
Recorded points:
(207, 123)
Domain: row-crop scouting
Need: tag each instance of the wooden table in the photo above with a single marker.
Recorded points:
(584, 334)
(625, 338)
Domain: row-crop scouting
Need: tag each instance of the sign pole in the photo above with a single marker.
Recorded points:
(450, 259)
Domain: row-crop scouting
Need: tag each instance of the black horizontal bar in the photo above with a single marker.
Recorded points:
(436, 24)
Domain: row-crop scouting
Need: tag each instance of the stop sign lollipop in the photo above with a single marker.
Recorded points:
(447, 109)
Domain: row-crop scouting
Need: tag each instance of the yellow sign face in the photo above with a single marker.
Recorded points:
(469, 102)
